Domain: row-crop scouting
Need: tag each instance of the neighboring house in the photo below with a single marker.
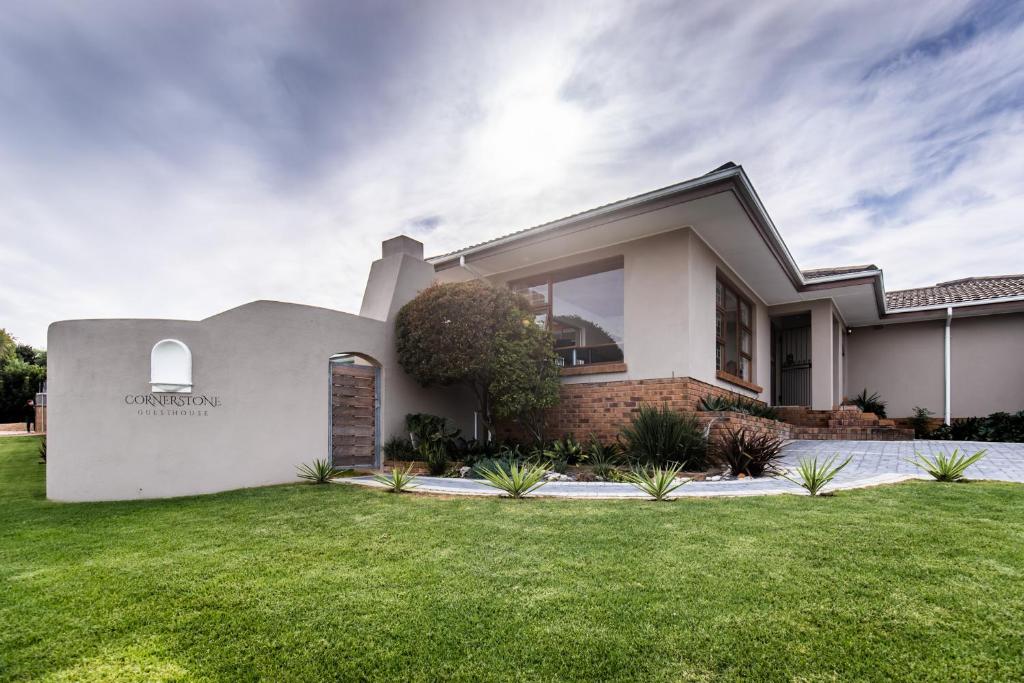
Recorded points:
(666, 297)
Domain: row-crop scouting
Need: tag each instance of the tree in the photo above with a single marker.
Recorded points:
(7, 346)
(483, 337)
(22, 369)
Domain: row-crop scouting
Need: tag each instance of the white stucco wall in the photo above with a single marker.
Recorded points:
(266, 363)
(904, 363)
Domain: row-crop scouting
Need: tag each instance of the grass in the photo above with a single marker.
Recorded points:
(920, 581)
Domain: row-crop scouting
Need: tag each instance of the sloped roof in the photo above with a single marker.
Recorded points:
(522, 232)
(957, 291)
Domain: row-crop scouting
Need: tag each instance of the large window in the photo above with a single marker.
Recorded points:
(584, 309)
(734, 332)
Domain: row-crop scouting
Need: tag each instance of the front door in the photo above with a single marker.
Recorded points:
(794, 353)
(353, 415)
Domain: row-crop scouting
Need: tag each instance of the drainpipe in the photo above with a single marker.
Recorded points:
(948, 379)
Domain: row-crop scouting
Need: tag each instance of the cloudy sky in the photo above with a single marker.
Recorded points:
(173, 159)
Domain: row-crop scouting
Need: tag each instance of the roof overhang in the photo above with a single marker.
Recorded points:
(723, 209)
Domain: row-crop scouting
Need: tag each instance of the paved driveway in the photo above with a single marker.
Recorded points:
(1002, 461)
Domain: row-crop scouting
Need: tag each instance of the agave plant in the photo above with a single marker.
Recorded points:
(399, 481)
(945, 467)
(814, 475)
(658, 482)
(517, 480)
(320, 471)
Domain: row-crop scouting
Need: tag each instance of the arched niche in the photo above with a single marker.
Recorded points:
(171, 367)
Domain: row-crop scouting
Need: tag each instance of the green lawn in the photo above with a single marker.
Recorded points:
(920, 581)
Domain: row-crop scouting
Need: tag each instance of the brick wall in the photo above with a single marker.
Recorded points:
(721, 422)
(602, 408)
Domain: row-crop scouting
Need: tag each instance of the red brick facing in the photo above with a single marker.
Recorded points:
(603, 408)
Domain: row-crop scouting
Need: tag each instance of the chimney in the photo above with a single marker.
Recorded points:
(402, 244)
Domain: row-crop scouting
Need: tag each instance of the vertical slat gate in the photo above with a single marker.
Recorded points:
(353, 415)
(795, 349)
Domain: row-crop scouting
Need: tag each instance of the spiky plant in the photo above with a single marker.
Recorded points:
(749, 453)
(870, 403)
(657, 436)
(945, 467)
(657, 482)
(320, 471)
(400, 479)
(517, 480)
(814, 475)
(604, 458)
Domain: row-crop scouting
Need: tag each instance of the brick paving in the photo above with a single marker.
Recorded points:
(874, 463)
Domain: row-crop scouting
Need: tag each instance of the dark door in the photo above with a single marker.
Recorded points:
(353, 415)
(794, 349)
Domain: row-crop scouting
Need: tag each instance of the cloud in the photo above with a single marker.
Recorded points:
(177, 159)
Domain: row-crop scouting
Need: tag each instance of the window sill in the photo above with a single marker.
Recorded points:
(732, 379)
(593, 369)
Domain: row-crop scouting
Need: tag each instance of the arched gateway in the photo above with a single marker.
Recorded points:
(355, 411)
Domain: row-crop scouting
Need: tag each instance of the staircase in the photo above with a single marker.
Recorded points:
(846, 423)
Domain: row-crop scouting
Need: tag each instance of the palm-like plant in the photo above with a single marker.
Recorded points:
(870, 403)
(517, 480)
(658, 482)
(657, 436)
(749, 453)
(603, 457)
(947, 467)
(814, 475)
(320, 471)
(399, 481)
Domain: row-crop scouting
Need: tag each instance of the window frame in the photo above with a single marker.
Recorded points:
(720, 339)
(549, 278)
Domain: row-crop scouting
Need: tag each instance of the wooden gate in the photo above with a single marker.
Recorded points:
(353, 415)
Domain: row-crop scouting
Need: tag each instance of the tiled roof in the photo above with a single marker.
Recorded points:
(839, 270)
(957, 291)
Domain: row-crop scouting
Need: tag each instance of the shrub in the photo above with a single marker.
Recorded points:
(399, 481)
(657, 436)
(473, 450)
(716, 403)
(749, 453)
(483, 337)
(603, 458)
(398, 448)
(739, 405)
(1003, 427)
(567, 449)
(870, 403)
(516, 481)
(320, 471)
(999, 426)
(920, 422)
(814, 476)
(433, 438)
(945, 467)
(658, 483)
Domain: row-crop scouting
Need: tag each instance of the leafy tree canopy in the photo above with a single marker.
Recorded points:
(483, 337)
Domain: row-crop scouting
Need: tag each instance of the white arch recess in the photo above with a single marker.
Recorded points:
(170, 366)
